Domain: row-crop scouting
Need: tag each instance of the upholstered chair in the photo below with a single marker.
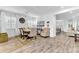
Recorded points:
(45, 32)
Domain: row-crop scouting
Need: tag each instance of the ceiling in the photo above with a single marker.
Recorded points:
(40, 10)
(61, 12)
(43, 10)
(74, 14)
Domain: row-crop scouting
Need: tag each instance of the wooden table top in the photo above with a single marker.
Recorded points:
(27, 30)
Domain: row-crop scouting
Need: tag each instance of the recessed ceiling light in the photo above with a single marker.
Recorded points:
(71, 12)
(62, 7)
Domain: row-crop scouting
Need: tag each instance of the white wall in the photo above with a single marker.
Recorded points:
(0, 22)
(13, 15)
(59, 24)
(67, 17)
(52, 26)
(66, 22)
(10, 23)
(31, 21)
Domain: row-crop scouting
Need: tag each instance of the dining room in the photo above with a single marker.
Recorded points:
(40, 31)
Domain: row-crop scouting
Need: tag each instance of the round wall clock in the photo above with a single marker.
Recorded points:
(22, 20)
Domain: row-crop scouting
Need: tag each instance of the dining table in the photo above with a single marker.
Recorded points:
(76, 36)
(27, 31)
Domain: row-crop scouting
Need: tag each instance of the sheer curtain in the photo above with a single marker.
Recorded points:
(8, 23)
(32, 22)
(11, 26)
(77, 25)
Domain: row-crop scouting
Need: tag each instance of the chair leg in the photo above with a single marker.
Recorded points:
(35, 37)
(21, 36)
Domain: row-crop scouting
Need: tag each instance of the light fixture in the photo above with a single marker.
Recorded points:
(71, 12)
(62, 7)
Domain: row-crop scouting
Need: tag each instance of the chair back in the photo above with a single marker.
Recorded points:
(21, 31)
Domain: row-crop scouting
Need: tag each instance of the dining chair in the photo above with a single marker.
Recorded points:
(22, 34)
(33, 33)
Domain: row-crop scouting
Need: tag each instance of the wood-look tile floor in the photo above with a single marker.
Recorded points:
(59, 44)
(13, 44)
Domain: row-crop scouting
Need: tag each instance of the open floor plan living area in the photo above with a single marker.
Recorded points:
(39, 29)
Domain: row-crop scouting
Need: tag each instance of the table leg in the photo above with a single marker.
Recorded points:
(75, 37)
